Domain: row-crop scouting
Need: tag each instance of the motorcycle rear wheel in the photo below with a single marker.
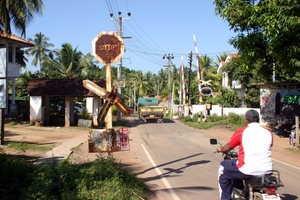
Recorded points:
(257, 196)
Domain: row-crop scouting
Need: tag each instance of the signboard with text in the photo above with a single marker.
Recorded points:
(108, 47)
(108, 140)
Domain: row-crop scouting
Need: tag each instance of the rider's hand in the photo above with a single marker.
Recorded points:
(219, 149)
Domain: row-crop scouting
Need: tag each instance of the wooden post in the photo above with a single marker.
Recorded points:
(2, 126)
(297, 131)
(108, 88)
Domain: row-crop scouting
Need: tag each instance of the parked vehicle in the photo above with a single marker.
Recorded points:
(79, 107)
(149, 108)
(256, 188)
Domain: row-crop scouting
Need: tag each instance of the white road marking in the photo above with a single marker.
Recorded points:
(287, 164)
(164, 180)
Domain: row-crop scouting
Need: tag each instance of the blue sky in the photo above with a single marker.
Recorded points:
(157, 27)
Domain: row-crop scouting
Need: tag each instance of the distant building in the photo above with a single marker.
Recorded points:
(231, 84)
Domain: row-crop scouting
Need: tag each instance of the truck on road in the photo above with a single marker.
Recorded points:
(149, 108)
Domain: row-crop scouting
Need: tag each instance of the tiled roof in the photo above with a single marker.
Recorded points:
(61, 87)
(13, 39)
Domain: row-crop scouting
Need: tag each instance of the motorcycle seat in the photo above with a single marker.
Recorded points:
(270, 178)
(256, 181)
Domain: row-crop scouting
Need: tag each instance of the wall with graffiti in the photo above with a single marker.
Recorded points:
(279, 106)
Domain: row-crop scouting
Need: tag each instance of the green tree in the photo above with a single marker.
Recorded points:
(20, 13)
(90, 68)
(40, 50)
(220, 58)
(64, 64)
(267, 35)
(22, 83)
(142, 86)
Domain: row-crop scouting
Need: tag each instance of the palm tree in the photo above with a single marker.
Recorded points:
(64, 64)
(162, 78)
(142, 86)
(20, 13)
(220, 58)
(40, 50)
(90, 69)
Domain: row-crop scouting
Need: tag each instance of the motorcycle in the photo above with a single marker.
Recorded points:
(256, 188)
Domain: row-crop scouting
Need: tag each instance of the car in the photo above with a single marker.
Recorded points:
(79, 107)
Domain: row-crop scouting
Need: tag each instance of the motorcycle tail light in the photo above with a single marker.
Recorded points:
(271, 190)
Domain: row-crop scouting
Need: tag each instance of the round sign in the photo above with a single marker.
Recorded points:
(108, 47)
(206, 91)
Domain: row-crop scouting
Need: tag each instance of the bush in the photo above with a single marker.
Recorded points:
(235, 120)
(214, 118)
(102, 179)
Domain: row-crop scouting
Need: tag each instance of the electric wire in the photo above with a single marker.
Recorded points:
(140, 43)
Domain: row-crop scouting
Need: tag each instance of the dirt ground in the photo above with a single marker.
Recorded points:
(57, 135)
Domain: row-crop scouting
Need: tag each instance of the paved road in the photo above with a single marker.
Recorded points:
(178, 162)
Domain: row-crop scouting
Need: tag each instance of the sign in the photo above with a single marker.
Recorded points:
(291, 99)
(206, 91)
(108, 140)
(101, 92)
(123, 139)
(101, 140)
(107, 47)
(119, 83)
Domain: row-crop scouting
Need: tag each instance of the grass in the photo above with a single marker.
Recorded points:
(22, 146)
(232, 121)
(294, 150)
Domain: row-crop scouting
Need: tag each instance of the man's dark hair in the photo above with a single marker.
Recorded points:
(252, 116)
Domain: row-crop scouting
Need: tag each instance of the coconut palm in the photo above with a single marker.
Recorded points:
(142, 86)
(64, 64)
(161, 80)
(20, 13)
(220, 58)
(40, 50)
(90, 69)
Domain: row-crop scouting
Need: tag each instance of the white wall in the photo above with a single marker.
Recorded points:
(218, 110)
(35, 108)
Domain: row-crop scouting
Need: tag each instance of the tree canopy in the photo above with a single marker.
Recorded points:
(267, 36)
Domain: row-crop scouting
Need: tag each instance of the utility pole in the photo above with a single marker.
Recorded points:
(119, 75)
(190, 59)
(169, 57)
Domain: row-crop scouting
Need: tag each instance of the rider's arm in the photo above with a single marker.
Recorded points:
(224, 148)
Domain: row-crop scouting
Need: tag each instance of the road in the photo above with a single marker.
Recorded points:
(177, 162)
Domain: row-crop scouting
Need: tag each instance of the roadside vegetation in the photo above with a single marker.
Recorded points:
(232, 121)
(102, 179)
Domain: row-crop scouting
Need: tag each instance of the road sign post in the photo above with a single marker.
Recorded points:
(108, 47)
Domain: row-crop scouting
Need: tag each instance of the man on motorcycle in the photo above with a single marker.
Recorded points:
(254, 158)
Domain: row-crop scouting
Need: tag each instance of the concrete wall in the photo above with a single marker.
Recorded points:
(35, 109)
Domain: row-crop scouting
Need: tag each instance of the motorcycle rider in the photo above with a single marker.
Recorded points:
(254, 158)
